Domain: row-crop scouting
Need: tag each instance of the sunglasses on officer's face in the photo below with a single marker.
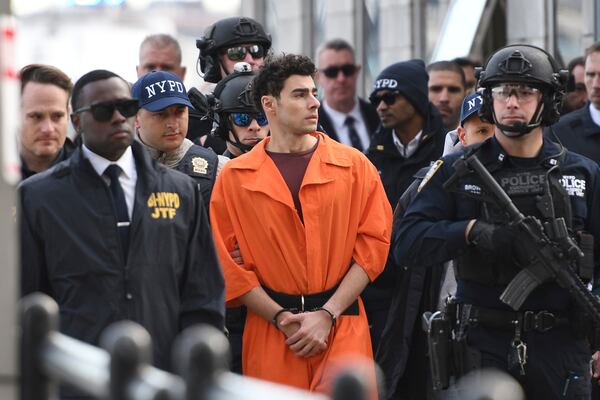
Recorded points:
(388, 98)
(103, 112)
(333, 71)
(238, 53)
(245, 119)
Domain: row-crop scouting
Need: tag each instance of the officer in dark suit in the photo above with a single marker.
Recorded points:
(111, 234)
(343, 115)
(541, 344)
(579, 130)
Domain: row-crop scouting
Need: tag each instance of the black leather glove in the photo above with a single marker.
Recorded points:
(497, 241)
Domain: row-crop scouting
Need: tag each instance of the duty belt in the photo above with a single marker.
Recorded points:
(540, 321)
(307, 302)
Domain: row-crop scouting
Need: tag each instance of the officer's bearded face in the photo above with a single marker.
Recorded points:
(446, 92)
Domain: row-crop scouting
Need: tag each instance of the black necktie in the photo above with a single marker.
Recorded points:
(354, 138)
(112, 172)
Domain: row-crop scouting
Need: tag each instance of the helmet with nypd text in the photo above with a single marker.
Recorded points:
(226, 33)
(527, 65)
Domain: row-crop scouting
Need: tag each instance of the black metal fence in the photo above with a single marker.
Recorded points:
(121, 369)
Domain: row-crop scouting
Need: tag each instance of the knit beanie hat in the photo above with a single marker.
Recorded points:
(410, 78)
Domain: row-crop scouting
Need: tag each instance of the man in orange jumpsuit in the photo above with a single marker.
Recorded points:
(312, 223)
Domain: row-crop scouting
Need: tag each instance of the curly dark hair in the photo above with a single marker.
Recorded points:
(275, 71)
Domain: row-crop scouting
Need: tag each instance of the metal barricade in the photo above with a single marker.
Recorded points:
(121, 369)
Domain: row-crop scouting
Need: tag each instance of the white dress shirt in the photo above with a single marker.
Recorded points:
(410, 148)
(595, 113)
(128, 177)
(338, 119)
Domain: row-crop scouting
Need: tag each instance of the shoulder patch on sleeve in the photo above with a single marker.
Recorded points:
(432, 170)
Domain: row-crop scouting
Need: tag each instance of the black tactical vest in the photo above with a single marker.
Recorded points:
(200, 164)
(528, 186)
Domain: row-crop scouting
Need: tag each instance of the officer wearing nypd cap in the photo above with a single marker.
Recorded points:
(542, 344)
(162, 123)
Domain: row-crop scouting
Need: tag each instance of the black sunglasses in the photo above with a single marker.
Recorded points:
(103, 112)
(388, 98)
(238, 53)
(333, 71)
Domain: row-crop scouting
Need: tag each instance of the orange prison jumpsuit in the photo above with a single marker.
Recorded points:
(346, 217)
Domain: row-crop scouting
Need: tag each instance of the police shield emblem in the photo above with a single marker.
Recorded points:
(200, 165)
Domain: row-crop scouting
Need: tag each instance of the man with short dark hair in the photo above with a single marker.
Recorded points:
(579, 131)
(447, 89)
(43, 141)
(312, 224)
(468, 66)
(343, 115)
(110, 234)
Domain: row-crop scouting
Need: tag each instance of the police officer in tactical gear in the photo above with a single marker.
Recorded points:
(543, 343)
(229, 41)
(225, 43)
(237, 120)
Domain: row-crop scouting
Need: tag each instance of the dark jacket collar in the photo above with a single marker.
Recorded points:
(491, 152)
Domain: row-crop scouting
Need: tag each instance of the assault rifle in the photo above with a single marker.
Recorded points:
(554, 251)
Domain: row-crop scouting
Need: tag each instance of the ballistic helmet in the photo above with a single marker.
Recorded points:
(227, 33)
(233, 94)
(527, 65)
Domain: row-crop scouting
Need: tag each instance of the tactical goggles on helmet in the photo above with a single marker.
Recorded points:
(333, 71)
(245, 119)
(238, 53)
(103, 112)
(388, 98)
(523, 93)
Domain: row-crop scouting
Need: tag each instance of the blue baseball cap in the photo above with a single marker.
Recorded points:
(471, 104)
(158, 90)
